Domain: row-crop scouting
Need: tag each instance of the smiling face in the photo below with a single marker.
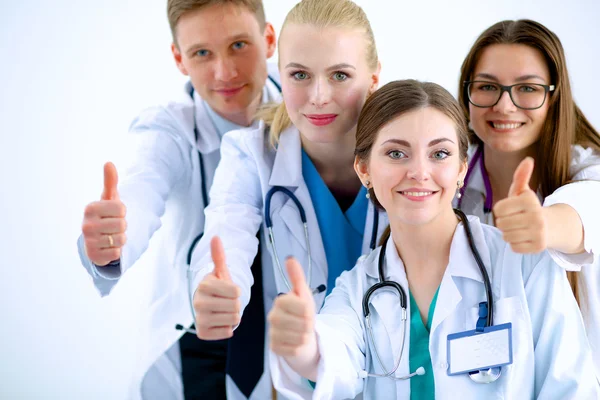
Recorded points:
(224, 51)
(325, 79)
(414, 166)
(505, 127)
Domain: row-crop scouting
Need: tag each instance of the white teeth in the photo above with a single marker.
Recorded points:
(417, 194)
(506, 126)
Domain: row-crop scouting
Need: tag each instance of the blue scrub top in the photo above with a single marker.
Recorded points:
(421, 387)
(342, 232)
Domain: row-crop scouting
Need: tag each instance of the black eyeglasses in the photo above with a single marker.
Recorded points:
(526, 96)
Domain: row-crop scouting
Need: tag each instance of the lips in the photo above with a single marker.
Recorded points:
(229, 91)
(321, 119)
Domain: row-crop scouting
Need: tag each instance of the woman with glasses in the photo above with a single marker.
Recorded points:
(534, 168)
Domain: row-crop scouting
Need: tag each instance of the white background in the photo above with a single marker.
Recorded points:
(73, 74)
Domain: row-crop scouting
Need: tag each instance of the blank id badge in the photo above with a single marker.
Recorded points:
(472, 350)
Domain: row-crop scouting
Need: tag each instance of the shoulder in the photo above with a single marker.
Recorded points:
(585, 163)
(251, 140)
(174, 117)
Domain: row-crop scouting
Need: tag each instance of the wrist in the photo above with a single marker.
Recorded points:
(306, 362)
(564, 230)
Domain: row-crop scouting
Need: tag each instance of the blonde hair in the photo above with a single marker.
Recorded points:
(321, 14)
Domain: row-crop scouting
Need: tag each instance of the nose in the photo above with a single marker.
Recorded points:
(418, 169)
(505, 104)
(225, 69)
(321, 93)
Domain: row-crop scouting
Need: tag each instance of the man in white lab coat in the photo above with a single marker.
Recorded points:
(223, 47)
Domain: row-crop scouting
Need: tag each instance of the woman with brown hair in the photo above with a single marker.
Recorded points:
(536, 118)
(484, 321)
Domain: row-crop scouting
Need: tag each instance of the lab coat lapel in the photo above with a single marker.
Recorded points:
(462, 265)
(287, 172)
(386, 317)
(208, 137)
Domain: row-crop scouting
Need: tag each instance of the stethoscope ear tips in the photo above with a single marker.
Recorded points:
(319, 289)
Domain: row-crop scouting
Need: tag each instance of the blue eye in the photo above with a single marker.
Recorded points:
(340, 76)
(202, 53)
(441, 154)
(395, 154)
(300, 75)
(239, 45)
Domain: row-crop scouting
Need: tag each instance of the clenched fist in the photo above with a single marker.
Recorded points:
(104, 223)
(216, 300)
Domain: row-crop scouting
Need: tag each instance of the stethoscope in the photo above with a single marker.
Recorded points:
(204, 189)
(478, 158)
(269, 224)
(480, 376)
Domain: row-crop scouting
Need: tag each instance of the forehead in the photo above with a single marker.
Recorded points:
(419, 127)
(510, 61)
(313, 46)
(216, 23)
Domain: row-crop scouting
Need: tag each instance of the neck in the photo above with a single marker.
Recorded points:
(335, 162)
(246, 116)
(500, 168)
(425, 258)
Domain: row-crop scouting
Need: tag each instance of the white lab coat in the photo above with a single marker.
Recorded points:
(583, 196)
(250, 167)
(551, 356)
(164, 186)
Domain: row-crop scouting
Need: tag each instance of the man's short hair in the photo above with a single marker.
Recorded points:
(176, 8)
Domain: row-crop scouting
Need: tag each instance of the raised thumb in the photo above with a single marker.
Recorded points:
(521, 177)
(111, 179)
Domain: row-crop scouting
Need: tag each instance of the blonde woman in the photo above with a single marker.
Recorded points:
(296, 165)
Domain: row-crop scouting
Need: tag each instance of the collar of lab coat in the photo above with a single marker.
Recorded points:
(287, 167)
(209, 139)
(462, 265)
(476, 178)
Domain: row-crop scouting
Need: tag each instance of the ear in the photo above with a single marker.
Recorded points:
(462, 173)
(178, 59)
(270, 39)
(362, 170)
(375, 79)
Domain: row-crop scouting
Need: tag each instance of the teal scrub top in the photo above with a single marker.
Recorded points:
(422, 387)
(342, 232)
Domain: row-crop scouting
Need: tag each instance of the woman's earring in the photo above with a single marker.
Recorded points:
(459, 186)
(368, 195)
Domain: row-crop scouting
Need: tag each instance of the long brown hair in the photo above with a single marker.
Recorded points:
(565, 124)
(395, 99)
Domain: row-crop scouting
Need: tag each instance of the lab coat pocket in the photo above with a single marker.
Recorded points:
(510, 309)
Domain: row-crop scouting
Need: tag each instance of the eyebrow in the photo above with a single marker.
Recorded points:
(406, 144)
(233, 38)
(333, 67)
(519, 79)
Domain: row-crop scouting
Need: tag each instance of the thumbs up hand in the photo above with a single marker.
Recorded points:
(292, 319)
(520, 216)
(104, 223)
(216, 300)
